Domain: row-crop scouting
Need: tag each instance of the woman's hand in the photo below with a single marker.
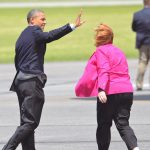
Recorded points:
(102, 97)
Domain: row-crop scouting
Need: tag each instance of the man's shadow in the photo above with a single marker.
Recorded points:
(142, 97)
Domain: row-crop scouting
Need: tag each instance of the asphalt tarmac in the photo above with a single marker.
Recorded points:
(68, 122)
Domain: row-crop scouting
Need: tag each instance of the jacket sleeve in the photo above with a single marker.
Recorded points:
(52, 35)
(103, 68)
(134, 23)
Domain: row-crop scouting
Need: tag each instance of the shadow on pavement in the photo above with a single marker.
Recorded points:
(137, 96)
(142, 97)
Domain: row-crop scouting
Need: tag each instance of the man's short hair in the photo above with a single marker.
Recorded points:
(146, 2)
(32, 13)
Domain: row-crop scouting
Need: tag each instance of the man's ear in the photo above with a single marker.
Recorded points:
(31, 20)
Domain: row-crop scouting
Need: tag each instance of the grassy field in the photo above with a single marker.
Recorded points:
(79, 44)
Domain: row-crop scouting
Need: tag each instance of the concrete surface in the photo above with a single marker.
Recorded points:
(69, 123)
(72, 3)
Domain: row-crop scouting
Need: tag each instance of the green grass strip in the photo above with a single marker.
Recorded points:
(78, 45)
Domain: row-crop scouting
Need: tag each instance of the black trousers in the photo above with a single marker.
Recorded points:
(31, 100)
(118, 109)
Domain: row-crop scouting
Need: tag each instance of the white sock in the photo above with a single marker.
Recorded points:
(136, 148)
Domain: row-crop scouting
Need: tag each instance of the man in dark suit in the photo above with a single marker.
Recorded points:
(30, 78)
(141, 25)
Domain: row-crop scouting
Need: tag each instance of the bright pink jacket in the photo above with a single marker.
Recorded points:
(106, 69)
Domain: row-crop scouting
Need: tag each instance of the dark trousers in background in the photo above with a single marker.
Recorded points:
(31, 100)
(117, 108)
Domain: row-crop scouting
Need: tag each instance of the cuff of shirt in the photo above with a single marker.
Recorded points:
(100, 90)
(72, 26)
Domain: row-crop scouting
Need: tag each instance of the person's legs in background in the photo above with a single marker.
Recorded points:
(144, 56)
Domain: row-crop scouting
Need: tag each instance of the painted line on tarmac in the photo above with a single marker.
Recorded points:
(67, 4)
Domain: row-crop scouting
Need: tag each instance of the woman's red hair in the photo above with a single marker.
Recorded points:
(104, 35)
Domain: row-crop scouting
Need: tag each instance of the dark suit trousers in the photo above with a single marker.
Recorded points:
(31, 100)
(117, 108)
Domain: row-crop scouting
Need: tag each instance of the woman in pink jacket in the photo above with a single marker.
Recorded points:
(106, 77)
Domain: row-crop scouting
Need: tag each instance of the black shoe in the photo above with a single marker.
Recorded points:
(139, 89)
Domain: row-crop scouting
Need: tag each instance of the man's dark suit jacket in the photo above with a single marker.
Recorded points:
(31, 47)
(141, 25)
(30, 50)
